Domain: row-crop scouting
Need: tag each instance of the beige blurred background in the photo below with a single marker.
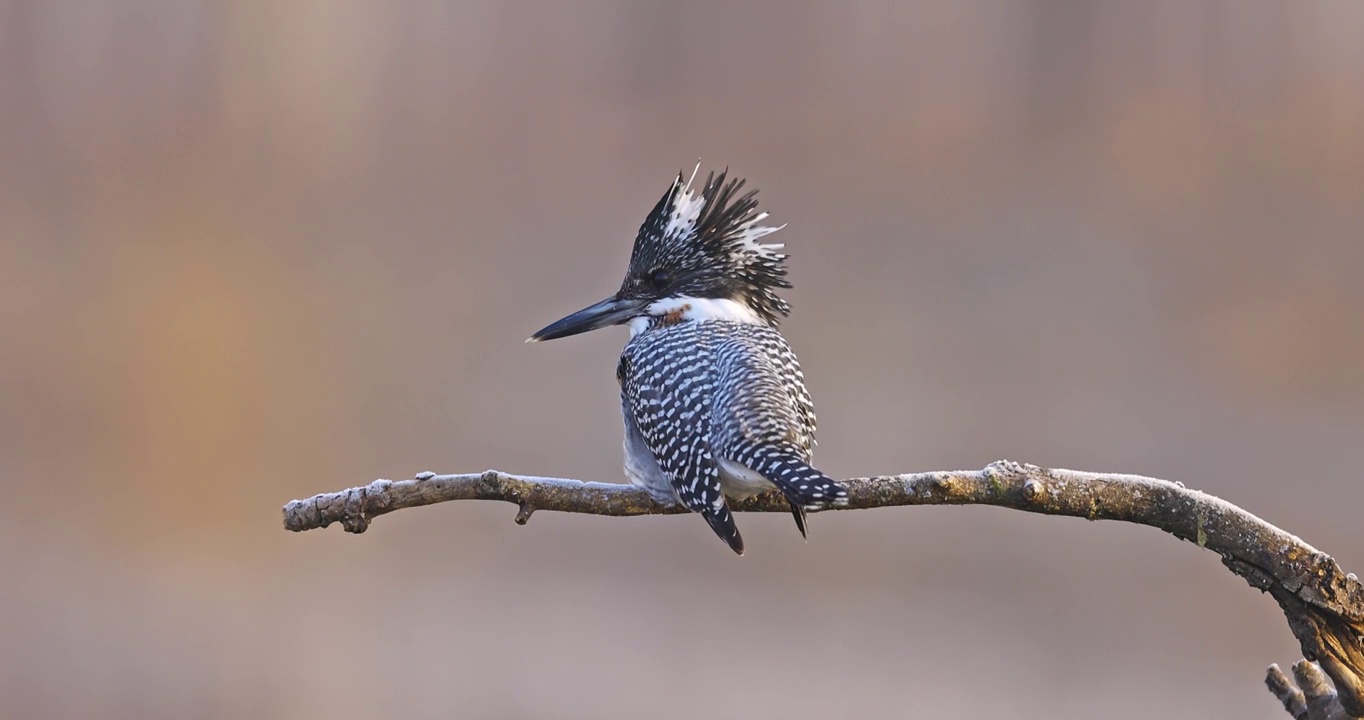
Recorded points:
(254, 251)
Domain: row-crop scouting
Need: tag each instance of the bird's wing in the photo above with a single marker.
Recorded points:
(666, 388)
(766, 419)
(804, 406)
(764, 401)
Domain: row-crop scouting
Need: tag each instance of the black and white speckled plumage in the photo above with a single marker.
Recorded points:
(713, 398)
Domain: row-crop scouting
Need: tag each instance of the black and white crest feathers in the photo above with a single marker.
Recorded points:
(707, 244)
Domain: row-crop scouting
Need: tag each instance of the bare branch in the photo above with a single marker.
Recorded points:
(1292, 698)
(1311, 698)
(1323, 604)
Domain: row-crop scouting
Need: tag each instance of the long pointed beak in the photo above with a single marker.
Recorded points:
(611, 311)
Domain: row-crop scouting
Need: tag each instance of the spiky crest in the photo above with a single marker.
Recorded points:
(707, 245)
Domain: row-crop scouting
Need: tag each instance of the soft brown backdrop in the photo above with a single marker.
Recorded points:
(254, 251)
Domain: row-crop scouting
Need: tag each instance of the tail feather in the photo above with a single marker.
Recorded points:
(803, 485)
(722, 522)
(798, 512)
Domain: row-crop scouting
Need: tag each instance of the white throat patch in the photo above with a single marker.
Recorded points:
(684, 309)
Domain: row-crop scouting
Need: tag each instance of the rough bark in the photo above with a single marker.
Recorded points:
(1323, 604)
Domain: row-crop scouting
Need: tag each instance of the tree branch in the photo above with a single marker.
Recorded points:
(1323, 604)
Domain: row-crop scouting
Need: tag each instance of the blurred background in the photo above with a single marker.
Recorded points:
(254, 251)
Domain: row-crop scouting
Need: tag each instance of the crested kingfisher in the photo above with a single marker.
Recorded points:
(713, 398)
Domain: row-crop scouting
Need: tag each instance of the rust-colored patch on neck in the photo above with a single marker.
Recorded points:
(674, 316)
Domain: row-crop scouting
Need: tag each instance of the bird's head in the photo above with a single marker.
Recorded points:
(697, 256)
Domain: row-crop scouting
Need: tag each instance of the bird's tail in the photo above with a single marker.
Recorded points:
(803, 485)
(721, 520)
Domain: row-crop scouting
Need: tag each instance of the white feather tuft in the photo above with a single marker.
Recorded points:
(685, 207)
(749, 234)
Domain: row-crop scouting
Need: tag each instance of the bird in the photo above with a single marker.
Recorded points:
(713, 400)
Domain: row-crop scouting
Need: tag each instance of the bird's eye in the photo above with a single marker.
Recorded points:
(659, 278)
